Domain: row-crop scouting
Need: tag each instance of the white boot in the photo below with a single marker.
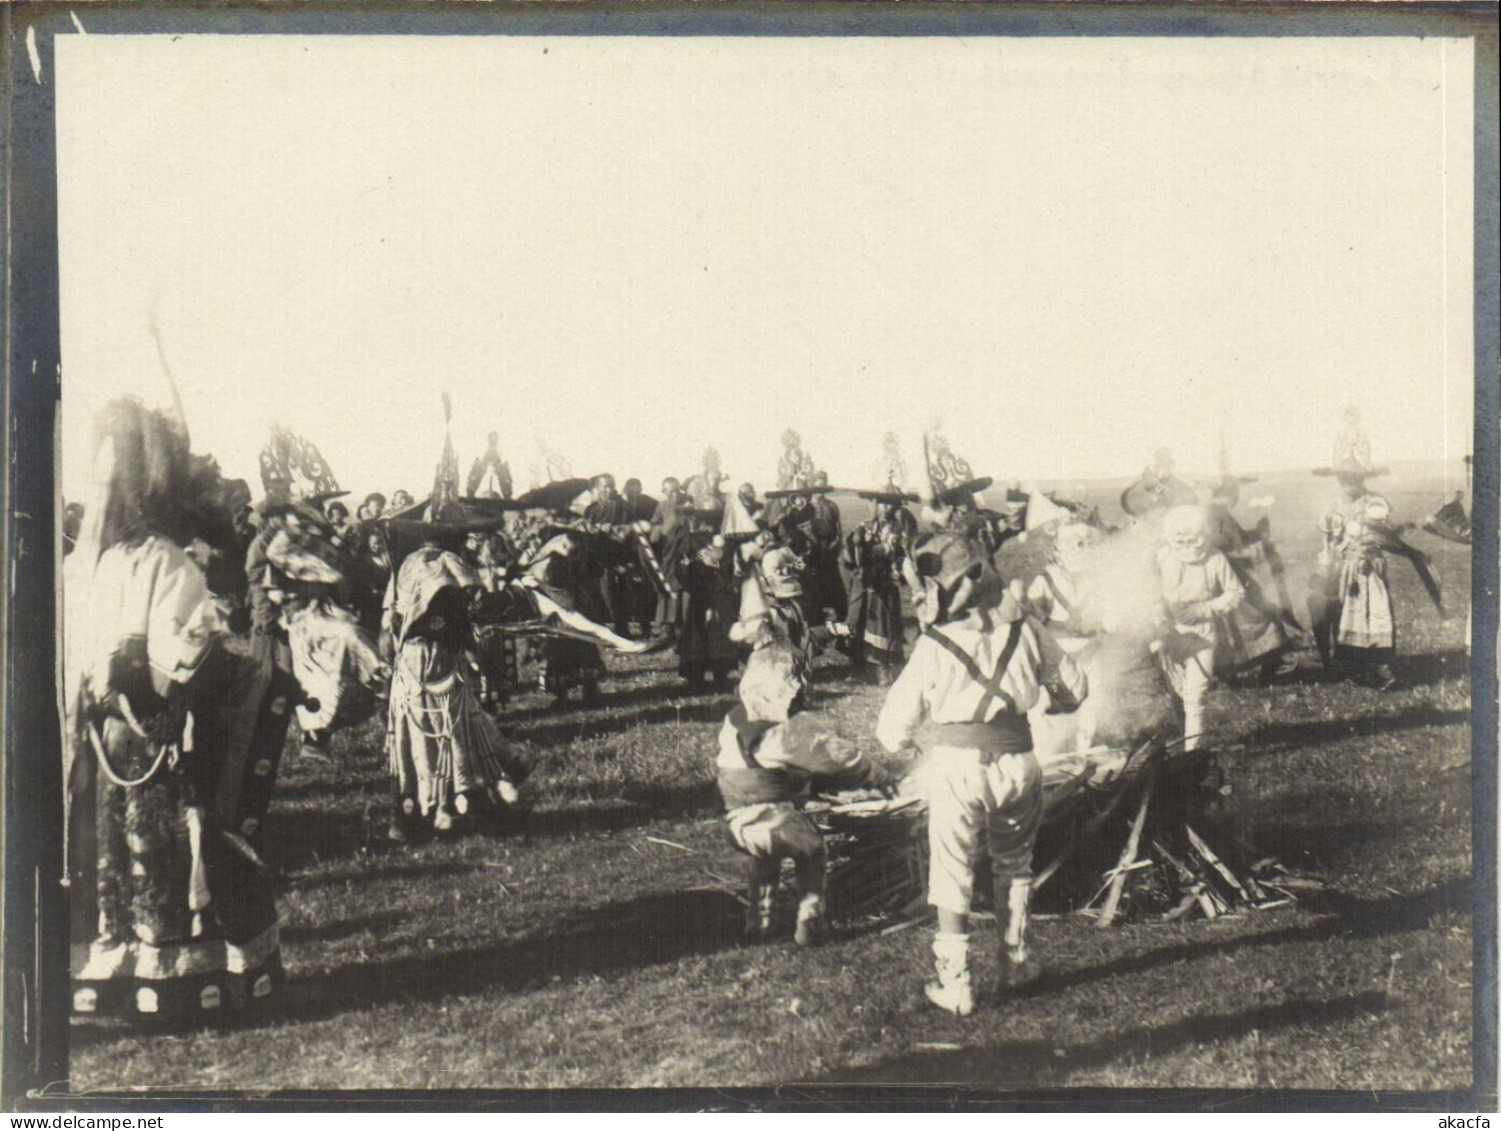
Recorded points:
(811, 928)
(951, 991)
(1016, 969)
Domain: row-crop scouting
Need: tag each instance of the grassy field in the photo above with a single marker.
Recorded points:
(581, 949)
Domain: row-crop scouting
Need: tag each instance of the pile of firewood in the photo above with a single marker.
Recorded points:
(1165, 868)
(878, 854)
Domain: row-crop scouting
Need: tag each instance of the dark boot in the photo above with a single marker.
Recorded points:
(762, 878)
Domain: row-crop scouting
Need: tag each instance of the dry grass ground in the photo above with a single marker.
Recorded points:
(581, 950)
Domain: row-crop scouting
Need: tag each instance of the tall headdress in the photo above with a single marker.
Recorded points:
(711, 463)
(292, 468)
(549, 465)
(1228, 485)
(893, 469)
(945, 469)
(1352, 445)
(795, 468)
(703, 489)
(446, 476)
(490, 468)
(1352, 450)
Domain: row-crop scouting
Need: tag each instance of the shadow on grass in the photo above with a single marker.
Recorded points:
(342, 928)
(585, 725)
(1274, 738)
(642, 804)
(662, 701)
(1027, 1062)
(306, 837)
(1430, 668)
(397, 869)
(650, 930)
(615, 698)
(1348, 918)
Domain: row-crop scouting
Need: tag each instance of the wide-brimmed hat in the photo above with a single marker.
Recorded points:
(964, 492)
(788, 492)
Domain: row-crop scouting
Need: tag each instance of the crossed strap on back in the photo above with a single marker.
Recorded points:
(991, 683)
(1057, 592)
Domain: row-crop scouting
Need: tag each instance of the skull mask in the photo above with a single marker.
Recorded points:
(781, 570)
(1187, 532)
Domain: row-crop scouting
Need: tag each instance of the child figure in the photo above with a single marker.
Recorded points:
(978, 667)
(768, 752)
(1200, 590)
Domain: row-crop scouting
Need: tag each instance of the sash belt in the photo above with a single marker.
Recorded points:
(1004, 734)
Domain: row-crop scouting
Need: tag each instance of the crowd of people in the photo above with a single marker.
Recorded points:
(199, 624)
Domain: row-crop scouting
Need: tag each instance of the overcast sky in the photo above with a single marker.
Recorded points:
(1071, 252)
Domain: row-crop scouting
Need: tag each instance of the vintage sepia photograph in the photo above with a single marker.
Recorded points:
(739, 547)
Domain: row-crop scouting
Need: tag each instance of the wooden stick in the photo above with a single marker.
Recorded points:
(1182, 909)
(1047, 873)
(1128, 857)
(1087, 831)
(903, 925)
(1215, 862)
(669, 843)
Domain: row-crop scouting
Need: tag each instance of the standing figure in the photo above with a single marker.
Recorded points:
(769, 751)
(1261, 629)
(370, 574)
(1350, 601)
(607, 509)
(1201, 592)
(671, 541)
(712, 603)
(271, 649)
(796, 523)
(563, 566)
(648, 579)
(447, 758)
(975, 672)
(172, 914)
(873, 555)
(829, 598)
(489, 555)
